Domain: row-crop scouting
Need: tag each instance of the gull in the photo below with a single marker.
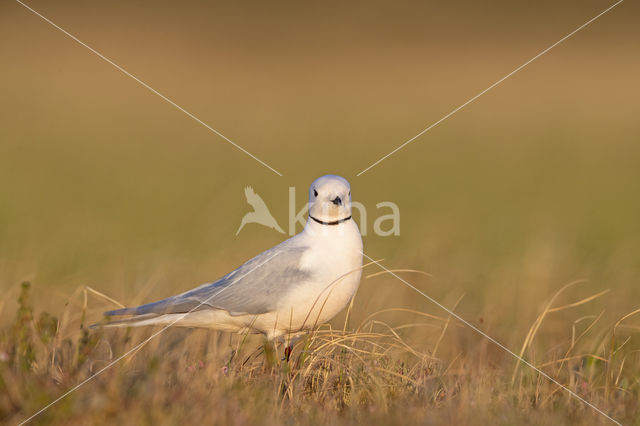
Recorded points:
(260, 213)
(286, 290)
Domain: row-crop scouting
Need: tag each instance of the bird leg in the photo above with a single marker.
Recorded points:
(287, 352)
(290, 340)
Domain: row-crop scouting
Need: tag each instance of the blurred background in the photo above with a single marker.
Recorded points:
(532, 186)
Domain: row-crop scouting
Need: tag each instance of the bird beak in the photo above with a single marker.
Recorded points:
(337, 201)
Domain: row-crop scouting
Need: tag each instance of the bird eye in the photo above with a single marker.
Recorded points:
(315, 193)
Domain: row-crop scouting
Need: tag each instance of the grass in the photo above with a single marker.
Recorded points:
(369, 370)
(522, 208)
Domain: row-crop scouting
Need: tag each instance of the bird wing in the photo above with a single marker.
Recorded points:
(254, 288)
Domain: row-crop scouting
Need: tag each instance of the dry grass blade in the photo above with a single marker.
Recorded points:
(562, 360)
(446, 325)
(406, 310)
(548, 309)
(396, 270)
(622, 365)
(630, 314)
(575, 340)
(402, 342)
(104, 296)
(580, 302)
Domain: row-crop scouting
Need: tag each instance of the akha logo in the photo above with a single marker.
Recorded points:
(260, 213)
(384, 225)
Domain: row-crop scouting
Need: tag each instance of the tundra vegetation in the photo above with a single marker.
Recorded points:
(522, 207)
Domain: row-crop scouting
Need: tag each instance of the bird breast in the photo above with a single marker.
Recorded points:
(334, 263)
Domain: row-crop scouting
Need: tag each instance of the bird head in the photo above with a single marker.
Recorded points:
(330, 198)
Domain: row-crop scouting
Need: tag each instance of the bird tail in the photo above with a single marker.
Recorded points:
(149, 314)
(136, 321)
(144, 320)
(123, 311)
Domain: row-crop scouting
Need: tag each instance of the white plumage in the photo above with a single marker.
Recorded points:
(303, 281)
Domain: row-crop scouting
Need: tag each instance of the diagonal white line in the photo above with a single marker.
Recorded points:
(135, 348)
(491, 87)
(494, 341)
(146, 86)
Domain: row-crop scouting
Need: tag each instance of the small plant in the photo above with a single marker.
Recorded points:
(22, 348)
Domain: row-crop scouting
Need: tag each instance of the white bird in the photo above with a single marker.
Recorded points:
(260, 213)
(292, 287)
